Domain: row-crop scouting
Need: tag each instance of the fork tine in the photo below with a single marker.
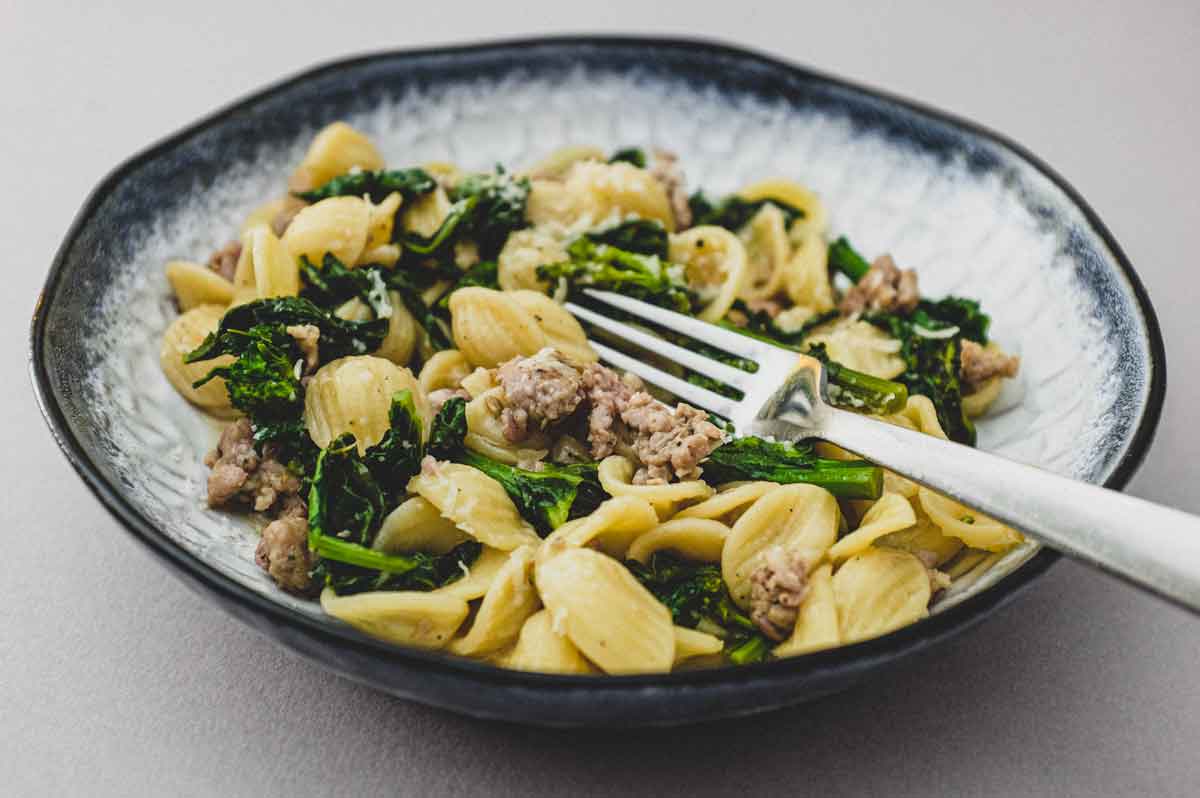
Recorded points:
(652, 343)
(729, 341)
(692, 394)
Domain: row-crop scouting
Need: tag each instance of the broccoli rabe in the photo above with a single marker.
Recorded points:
(845, 259)
(642, 236)
(262, 382)
(734, 212)
(698, 598)
(339, 337)
(499, 208)
(633, 155)
(411, 183)
(645, 277)
(545, 498)
(752, 458)
(347, 501)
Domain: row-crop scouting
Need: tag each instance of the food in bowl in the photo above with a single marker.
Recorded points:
(435, 451)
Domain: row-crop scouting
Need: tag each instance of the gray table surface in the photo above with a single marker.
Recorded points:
(116, 680)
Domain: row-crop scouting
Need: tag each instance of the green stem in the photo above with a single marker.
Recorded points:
(331, 548)
(845, 259)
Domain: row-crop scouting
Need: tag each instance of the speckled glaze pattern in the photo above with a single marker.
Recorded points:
(971, 213)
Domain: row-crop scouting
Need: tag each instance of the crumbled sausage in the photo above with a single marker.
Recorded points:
(607, 394)
(306, 337)
(776, 589)
(669, 443)
(667, 172)
(980, 364)
(224, 261)
(283, 553)
(538, 391)
(885, 288)
(241, 477)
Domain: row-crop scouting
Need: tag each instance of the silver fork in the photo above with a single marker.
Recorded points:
(1154, 547)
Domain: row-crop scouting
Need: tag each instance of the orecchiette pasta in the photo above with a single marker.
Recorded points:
(354, 394)
(195, 285)
(879, 590)
(490, 328)
(476, 503)
(614, 621)
(890, 513)
(510, 602)
(411, 618)
(521, 256)
(540, 648)
(715, 260)
(802, 519)
(446, 369)
(694, 538)
(651, 559)
(974, 529)
(338, 226)
(416, 525)
(185, 334)
(336, 150)
(817, 625)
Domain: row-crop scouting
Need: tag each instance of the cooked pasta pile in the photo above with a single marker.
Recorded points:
(435, 451)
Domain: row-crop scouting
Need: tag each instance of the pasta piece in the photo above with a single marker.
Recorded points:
(592, 193)
(800, 518)
(446, 369)
(476, 503)
(479, 382)
(861, 346)
(616, 475)
(715, 263)
(878, 591)
(767, 253)
(557, 164)
(276, 273)
(425, 214)
(336, 150)
(354, 394)
(542, 650)
(407, 617)
(806, 276)
(728, 501)
(814, 219)
(479, 576)
(416, 525)
(923, 539)
(510, 602)
(613, 526)
(918, 414)
(816, 619)
(490, 328)
(185, 334)
(523, 253)
(699, 539)
(966, 563)
(609, 616)
(403, 333)
(195, 285)
(890, 513)
(338, 226)
(485, 432)
(562, 330)
(690, 643)
(972, 528)
(977, 403)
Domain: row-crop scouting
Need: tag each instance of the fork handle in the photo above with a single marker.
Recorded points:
(1154, 547)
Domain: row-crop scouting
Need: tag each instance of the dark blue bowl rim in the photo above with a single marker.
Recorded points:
(889, 647)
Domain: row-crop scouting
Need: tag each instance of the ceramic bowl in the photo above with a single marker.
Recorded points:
(974, 213)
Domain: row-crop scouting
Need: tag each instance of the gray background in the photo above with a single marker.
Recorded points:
(116, 680)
